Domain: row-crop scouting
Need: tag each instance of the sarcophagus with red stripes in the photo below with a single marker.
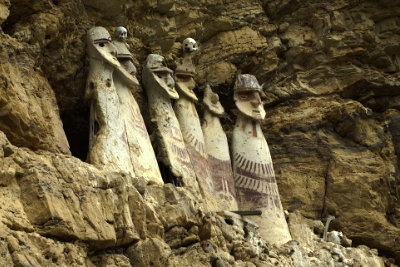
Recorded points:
(189, 121)
(218, 152)
(141, 152)
(169, 145)
(253, 171)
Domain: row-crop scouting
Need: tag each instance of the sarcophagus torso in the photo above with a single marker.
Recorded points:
(170, 147)
(218, 152)
(189, 122)
(254, 175)
(107, 141)
(141, 151)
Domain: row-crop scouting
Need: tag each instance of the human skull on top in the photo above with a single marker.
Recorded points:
(121, 33)
(189, 46)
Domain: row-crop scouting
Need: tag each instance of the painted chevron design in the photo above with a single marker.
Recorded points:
(261, 200)
(176, 134)
(196, 144)
(256, 185)
(254, 176)
(222, 175)
(181, 155)
(253, 168)
(138, 122)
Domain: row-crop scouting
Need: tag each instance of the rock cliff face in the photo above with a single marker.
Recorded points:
(331, 77)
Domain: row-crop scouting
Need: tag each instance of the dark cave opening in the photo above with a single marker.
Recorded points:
(168, 177)
(76, 127)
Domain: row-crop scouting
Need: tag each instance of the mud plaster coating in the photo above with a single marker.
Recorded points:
(140, 148)
(218, 152)
(252, 164)
(189, 121)
(108, 146)
(170, 147)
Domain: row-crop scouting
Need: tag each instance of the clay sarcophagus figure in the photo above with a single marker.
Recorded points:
(188, 118)
(169, 145)
(253, 171)
(218, 152)
(108, 147)
(141, 152)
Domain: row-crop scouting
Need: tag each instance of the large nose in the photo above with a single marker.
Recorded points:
(170, 82)
(112, 49)
(214, 98)
(256, 101)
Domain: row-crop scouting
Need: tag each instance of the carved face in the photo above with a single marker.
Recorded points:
(247, 96)
(99, 46)
(186, 84)
(121, 33)
(156, 69)
(128, 65)
(189, 45)
(127, 71)
(211, 101)
(249, 103)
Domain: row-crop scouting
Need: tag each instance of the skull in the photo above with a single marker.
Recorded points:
(121, 33)
(189, 45)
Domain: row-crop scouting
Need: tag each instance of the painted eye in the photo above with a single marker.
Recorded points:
(101, 44)
(214, 99)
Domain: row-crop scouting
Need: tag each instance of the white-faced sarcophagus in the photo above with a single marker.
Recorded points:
(108, 147)
(189, 121)
(169, 145)
(218, 152)
(253, 171)
(141, 152)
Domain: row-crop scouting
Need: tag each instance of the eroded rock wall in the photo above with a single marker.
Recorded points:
(331, 81)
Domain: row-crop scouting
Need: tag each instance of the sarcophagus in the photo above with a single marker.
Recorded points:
(189, 121)
(254, 175)
(169, 145)
(140, 149)
(218, 152)
(108, 146)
